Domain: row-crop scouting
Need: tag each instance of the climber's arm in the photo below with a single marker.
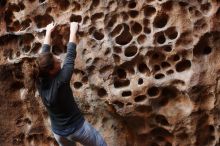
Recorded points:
(68, 66)
(47, 40)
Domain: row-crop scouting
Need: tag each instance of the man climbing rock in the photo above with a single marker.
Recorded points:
(53, 83)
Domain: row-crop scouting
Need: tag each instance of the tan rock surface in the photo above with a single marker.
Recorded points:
(146, 72)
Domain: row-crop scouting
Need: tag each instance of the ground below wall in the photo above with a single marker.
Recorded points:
(146, 71)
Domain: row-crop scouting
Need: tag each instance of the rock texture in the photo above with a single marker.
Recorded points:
(146, 72)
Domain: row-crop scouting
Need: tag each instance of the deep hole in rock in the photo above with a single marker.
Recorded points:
(168, 48)
(140, 98)
(155, 56)
(170, 72)
(18, 53)
(102, 92)
(207, 50)
(161, 39)
(200, 24)
(161, 120)
(41, 1)
(8, 17)
(95, 3)
(147, 30)
(168, 144)
(16, 26)
(107, 51)
(169, 92)
(136, 28)
(218, 13)
(96, 60)
(117, 49)
(121, 73)
(26, 49)
(159, 131)
(63, 4)
(31, 1)
(13, 7)
(156, 67)
(206, 7)
(75, 18)
(96, 16)
(143, 109)
(132, 4)
(3, 3)
(121, 83)
(153, 91)
(26, 39)
(203, 46)
(133, 13)
(125, 37)
(104, 69)
(160, 20)
(211, 128)
(8, 53)
(98, 35)
(116, 58)
(140, 81)
(149, 10)
(154, 144)
(112, 21)
(131, 51)
(176, 57)
(85, 19)
(126, 93)
(146, 22)
(43, 20)
(85, 79)
(159, 76)
(16, 85)
(183, 65)
(91, 68)
(36, 47)
(141, 39)
(25, 23)
(183, 4)
(142, 67)
(77, 85)
(124, 16)
(118, 104)
(21, 6)
(116, 30)
(91, 30)
(171, 33)
(165, 64)
(167, 6)
(57, 50)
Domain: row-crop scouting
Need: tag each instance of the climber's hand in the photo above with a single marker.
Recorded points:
(50, 27)
(74, 27)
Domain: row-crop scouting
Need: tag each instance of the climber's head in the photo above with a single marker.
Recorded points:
(49, 65)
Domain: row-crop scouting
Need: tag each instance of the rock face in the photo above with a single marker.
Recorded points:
(146, 72)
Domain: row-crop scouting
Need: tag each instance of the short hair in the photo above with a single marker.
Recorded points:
(45, 63)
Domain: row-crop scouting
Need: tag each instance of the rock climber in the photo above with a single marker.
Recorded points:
(53, 83)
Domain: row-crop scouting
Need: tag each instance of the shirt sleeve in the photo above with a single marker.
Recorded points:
(45, 48)
(68, 66)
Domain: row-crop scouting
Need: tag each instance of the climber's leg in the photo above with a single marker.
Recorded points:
(63, 141)
(88, 136)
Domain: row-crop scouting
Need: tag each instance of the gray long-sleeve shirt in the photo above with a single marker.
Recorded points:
(57, 95)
